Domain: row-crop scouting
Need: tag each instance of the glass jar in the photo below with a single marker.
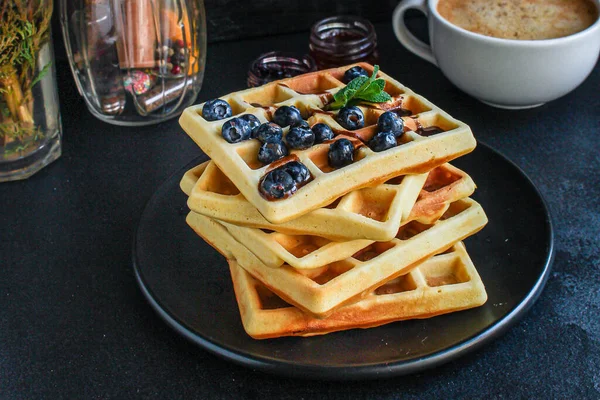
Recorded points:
(342, 40)
(30, 128)
(136, 62)
(276, 65)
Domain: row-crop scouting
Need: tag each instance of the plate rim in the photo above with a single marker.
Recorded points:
(359, 372)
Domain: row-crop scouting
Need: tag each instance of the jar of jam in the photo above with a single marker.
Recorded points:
(277, 65)
(342, 40)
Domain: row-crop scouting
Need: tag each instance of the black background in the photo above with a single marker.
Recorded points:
(73, 323)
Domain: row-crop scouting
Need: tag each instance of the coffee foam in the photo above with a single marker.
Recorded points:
(520, 19)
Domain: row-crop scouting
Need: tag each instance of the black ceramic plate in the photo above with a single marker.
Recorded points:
(188, 284)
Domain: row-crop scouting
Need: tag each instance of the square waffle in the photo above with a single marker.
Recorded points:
(419, 150)
(320, 291)
(373, 213)
(445, 283)
(308, 251)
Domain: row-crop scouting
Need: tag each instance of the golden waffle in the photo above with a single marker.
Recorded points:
(299, 251)
(310, 251)
(419, 150)
(373, 213)
(320, 291)
(445, 283)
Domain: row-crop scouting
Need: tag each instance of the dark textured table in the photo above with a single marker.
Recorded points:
(74, 324)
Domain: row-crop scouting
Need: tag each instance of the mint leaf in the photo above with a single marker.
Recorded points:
(361, 88)
(375, 71)
(357, 83)
(380, 97)
(366, 93)
(373, 88)
(346, 93)
(337, 104)
(374, 92)
(339, 99)
(380, 83)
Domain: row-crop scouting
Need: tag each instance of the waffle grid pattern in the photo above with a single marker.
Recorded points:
(416, 153)
(320, 291)
(445, 283)
(369, 213)
(308, 251)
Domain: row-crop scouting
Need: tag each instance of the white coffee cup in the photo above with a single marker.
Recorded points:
(503, 73)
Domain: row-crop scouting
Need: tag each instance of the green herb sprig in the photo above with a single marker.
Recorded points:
(361, 88)
(24, 30)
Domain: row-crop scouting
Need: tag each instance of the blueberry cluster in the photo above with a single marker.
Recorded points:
(391, 127)
(274, 145)
(300, 135)
(285, 180)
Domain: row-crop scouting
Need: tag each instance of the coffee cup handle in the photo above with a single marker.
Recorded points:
(407, 39)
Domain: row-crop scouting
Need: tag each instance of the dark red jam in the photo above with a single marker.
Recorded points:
(342, 40)
(277, 65)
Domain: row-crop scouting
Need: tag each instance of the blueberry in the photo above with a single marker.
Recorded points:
(351, 118)
(286, 115)
(251, 120)
(322, 132)
(341, 152)
(300, 138)
(298, 171)
(391, 122)
(216, 109)
(300, 124)
(354, 72)
(268, 133)
(383, 141)
(235, 130)
(277, 184)
(270, 152)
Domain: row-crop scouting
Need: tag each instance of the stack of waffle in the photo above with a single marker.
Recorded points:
(366, 244)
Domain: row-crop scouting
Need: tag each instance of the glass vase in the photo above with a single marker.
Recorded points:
(135, 62)
(30, 127)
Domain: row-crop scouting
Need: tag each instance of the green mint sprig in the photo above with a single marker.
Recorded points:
(361, 88)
